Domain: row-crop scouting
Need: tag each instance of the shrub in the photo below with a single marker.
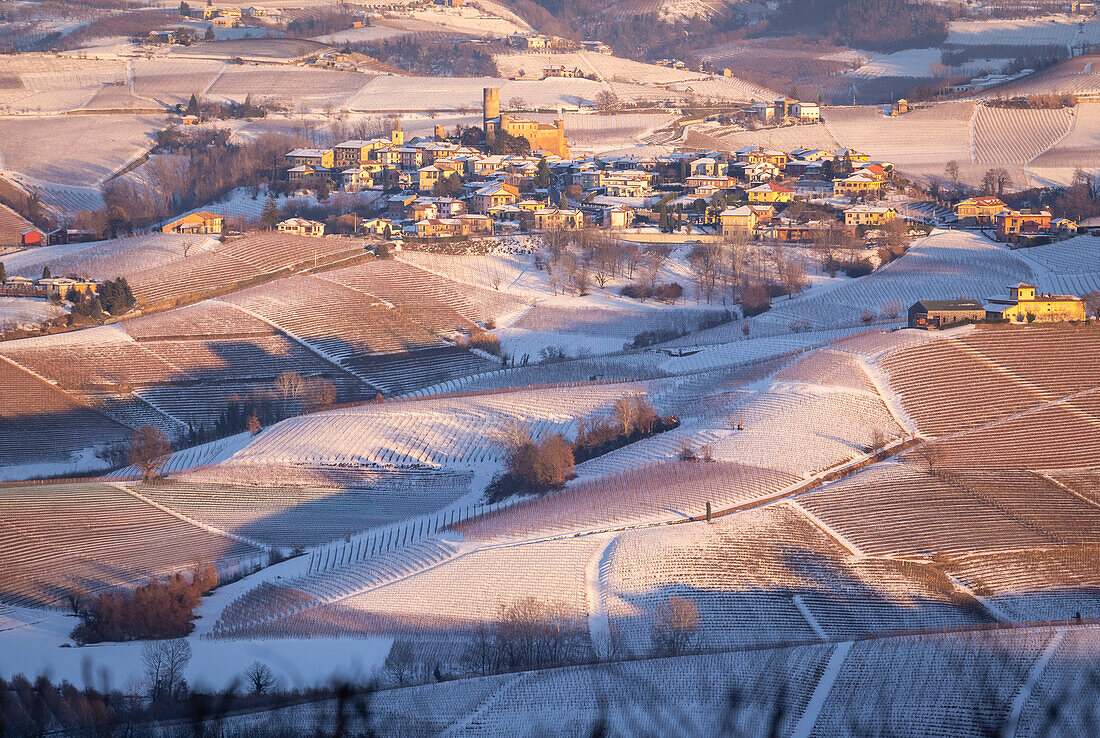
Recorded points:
(486, 342)
(159, 609)
(858, 268)
(670, 292)
(755, 300)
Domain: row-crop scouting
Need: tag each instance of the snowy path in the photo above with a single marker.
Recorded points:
(809, 617)
(1024, 694)
(821, 691)
(595, 595)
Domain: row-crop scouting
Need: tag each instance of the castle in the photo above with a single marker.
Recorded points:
(540, 135)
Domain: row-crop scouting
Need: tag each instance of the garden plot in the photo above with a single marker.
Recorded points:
(109, 259)
(920, 142)
(1078, 150)
(75, 149)
(1043, 30)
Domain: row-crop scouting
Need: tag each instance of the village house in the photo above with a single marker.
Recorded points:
(757, 154)
(944, 313)
(200, 222)
(857, 185)
(738, 222)
(302, 227)
(706, 166)
(548, 219)
(707, 185)
(308, 174)
(806, 112)
(770, 193)
(617, 217)
(493, 195)
(1025, 304)
(979, 210)
(1012, 225)
(869, 215)
(628, 183)
(352, 153)
(320, 158)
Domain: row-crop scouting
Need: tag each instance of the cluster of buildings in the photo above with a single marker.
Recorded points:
(61, 288)
(1025, 304)
(447, 188)
(785, 110)
(1009, 225)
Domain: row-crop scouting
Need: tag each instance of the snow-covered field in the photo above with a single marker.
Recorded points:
(23, 312)
(74, 149)
(1039, 30)
(1080, 149)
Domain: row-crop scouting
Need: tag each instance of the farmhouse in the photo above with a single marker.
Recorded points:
(806, 112)
(1025, 304)
(60, 287)
(302, 227)
(979, 210)
(200, 222)
(943, 313)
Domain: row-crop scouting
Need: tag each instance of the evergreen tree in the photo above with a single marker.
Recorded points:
(209, 35)
(46, 272)
(193, 105)
(3, 274)
(185, 9)
(542, 177)
(270, 215)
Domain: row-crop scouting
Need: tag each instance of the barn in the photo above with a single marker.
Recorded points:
(943, 313)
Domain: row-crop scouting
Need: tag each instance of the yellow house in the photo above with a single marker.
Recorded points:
(855, 186)
(554, 218)
(868, 215)
(200, 222)
(738, 221)
(492, 196)
(770, 193)
(1024, 304)
(982, 209)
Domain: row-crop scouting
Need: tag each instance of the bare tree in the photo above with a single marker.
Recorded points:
(401, 665)
(260, 678)
(511, 436)
(289, 384)
(149, 450)
(676, 629)
(791, 270)
(930, 455)
(606, 100)
(878, 439)
(951, 171)
(165, 663)
(892, 308)
(704, 260)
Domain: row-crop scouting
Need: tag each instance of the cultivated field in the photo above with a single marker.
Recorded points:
(1078, 150)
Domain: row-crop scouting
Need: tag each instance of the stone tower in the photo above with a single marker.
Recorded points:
(490, 118)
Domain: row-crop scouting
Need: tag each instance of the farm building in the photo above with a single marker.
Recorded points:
(200, 222)
(32, 237)
(1025, 304)
(943, 313)
(302, 227)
